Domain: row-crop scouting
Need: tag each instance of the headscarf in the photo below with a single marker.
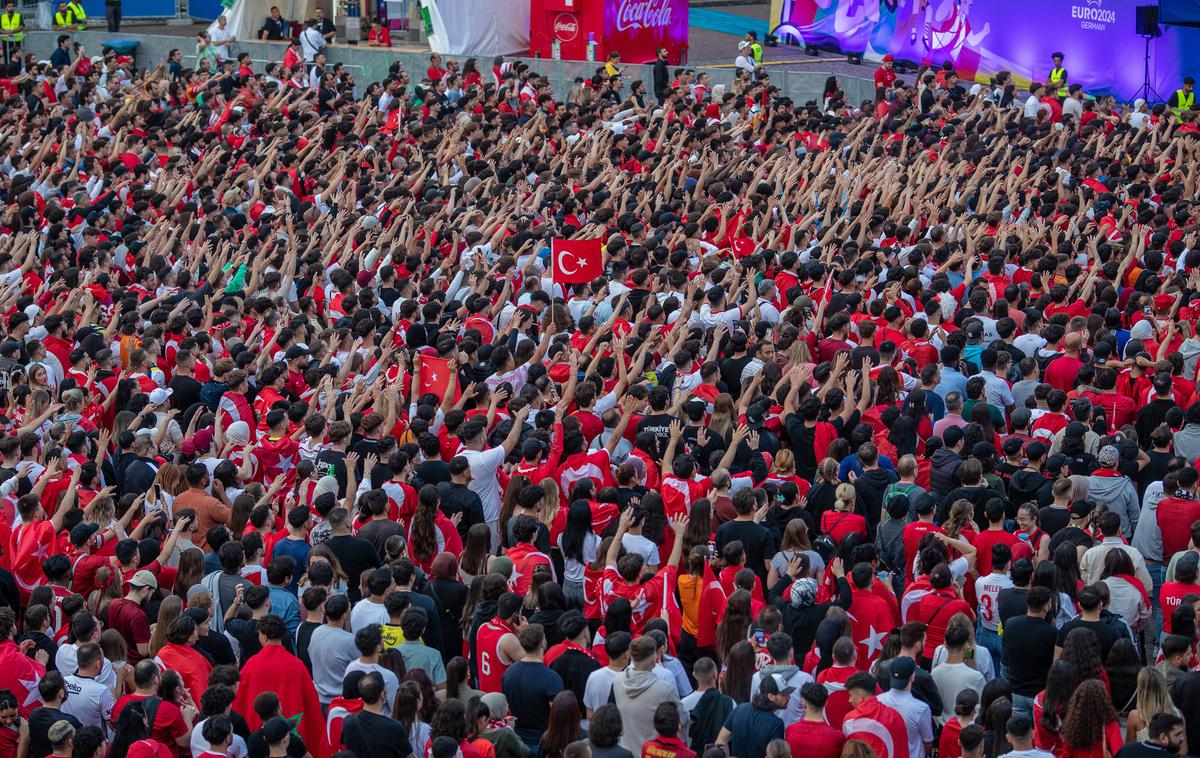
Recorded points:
(804, 592)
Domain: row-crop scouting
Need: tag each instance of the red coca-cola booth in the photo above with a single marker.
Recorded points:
(634, 28)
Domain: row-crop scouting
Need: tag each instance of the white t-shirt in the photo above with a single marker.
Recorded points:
(221, 39)
(598, 689)
(366, 613)
(987, 590)
(236, 749)
(917, 719)
(484, 465)
(951, 679)
(636, 543)
(391, 684)
(89, 701)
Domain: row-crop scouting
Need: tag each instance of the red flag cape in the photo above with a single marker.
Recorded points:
(274, 669)
(339, 709)
(435, 376)
(870, 621)
(879, 726)
(193, 667)
(20, 674)
(743, 247)
(277, 456)
(576, 261)
(29, 545)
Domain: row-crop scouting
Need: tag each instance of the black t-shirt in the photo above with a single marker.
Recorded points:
(1106, 633)
(1052, 518)
(333, 463)
(40, 721)
(1028, 652)
(530, 687)
(757, 540)
(185, 392)
(574, 667)
(1012, 601)
(303, 636)
(432, 472)
(1143, 750)
(731, 373)
(459, 498)
(257, 747)
(1070, 535)
(356, 556)
(370, 735)
(751, 729)
(658, 424)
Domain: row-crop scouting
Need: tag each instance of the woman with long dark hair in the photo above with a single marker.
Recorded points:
(1122, 666)
(579, 544)
(618, 618)
(1050, 706)
(993, 719)
(735, 623)
(564, 725)
(1081, 649)
(738, 672)
(478, 547)
(410, 704)
(130, 727)
(1090, 728)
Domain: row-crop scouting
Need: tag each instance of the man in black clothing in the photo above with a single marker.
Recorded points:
(1013, 601)
(332, 461)
(372, 732)
(185, 390)
(275, 731)
(433, 470)
(1091, 605)
(870, 485)
(1166, 734)
(658, 421)
(912, 645)
(756, 539)
(1029, 650)
(1153, 414)
(275, 27)
(571, 659)
(1076, 531)
(404, 574)
(380, 527)
(354, 553)
(662, 76)
(53, 690)
(457, 497)
(1057, 515)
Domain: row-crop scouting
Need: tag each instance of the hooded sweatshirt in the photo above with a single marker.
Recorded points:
(1119, 494)
(943, 470)
(1025, 486)
(637, 694)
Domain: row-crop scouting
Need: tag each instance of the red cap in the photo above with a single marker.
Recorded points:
(887, 58)
(1163, 302)
(364, 278)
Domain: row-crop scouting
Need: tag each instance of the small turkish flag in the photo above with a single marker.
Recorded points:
(743, 246)
(435, 375)
(576, 261)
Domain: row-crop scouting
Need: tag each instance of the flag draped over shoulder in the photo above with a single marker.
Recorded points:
(20, 675)
(274, 669)
(879, 726)
(29, 545)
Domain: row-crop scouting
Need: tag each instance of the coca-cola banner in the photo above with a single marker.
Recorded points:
(637, 28)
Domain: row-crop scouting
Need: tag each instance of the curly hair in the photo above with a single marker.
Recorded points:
(1088, 714)
(1082, 650)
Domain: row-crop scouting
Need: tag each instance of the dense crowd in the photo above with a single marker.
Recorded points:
(877, 437)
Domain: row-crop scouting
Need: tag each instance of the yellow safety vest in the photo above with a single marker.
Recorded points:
(10, 26)
(756, 51)
(63, 18)
(1058, 78)
(80, 17)
(1185, 100)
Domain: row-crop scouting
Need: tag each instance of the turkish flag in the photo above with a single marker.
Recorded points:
(274, 669)
(29, 545)
(435, 376)
(576, 261)
(871, 620)
(743, 247)
(277, 456)
(20, 675)
(879, 726)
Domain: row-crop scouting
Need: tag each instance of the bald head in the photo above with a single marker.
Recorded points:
(1073, 342)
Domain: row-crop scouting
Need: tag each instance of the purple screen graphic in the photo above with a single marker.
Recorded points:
(981, 37)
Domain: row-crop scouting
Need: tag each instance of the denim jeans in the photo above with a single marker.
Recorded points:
(990, 639)
(1158, 573)
(1022, 705)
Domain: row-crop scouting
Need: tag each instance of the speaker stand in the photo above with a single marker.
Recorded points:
(1147, 92)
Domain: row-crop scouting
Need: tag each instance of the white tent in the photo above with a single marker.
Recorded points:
(246, 16)
(471, 27)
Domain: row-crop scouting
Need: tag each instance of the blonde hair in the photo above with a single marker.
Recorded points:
(785, 461)
(721, 422)
(827, 470)
(959, 517)
(170, 609)
(104, 510)
(846, 497)
(1152, 695)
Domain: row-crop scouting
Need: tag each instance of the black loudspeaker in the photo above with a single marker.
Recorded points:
(1147, 21)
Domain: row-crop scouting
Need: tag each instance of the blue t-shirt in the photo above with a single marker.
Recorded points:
(751, 730)
(298, 551)
(529, 688)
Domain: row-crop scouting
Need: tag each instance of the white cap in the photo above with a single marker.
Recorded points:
(160, 395)
(743, 45)
(1138, 103)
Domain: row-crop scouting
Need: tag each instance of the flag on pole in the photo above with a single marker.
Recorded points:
(434, 376)
(576, 261)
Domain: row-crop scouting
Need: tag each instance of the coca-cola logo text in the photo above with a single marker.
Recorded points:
(640, 14)
(566, 28)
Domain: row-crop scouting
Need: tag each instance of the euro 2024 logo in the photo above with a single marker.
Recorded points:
(1093, 16)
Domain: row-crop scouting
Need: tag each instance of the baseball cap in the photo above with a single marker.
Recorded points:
(775, 684)
(1108, 456)
(198, 615)
(160, 395)
(144, 578)
(81, 533)
(1081, 508)
(902, 669)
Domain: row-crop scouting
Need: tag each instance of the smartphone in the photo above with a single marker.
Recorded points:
(712, 550)
(760, 637)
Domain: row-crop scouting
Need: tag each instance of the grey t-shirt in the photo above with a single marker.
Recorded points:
(781, 560)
